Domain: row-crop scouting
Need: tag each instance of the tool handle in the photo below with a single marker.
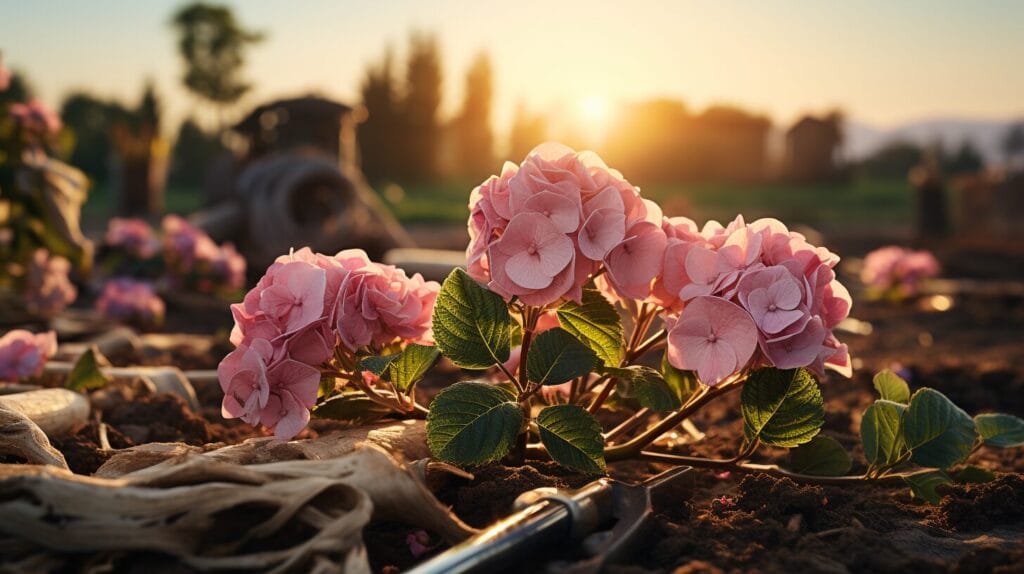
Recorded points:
(502, 544)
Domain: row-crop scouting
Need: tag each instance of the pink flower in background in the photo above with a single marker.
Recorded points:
(133, 236)
(24, 354)
(5, 77)
(229, 267)
(713, 337)
(785, 287)
(36, 118)
(48, 289)
(125, 299)
(898, 269)
(185, 245)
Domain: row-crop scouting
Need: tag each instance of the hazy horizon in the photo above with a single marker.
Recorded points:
(883, 65)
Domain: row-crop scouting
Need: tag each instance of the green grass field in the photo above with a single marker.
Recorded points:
(859, 204)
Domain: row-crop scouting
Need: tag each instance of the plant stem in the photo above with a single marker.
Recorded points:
(772, 469)
(530, 316)
(647, 345)
(632, 448)
(627, 424)
(605, 391)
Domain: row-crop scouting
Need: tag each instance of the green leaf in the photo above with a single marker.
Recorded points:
(1000, 430)
(377, 365)
(781, 408)
(86, 373)
(471, 324)
(648, 386)
(555, 356)
(596, 323)
(880, 432)
(411, 364)
(351, 406)
(572, 437)
(939, 434)
(822, 456)
(683, 383)
(974, 475)
(892, 387)
(473, 423)
(925, 485)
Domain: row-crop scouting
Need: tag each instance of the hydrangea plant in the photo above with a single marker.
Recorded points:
(574, 282)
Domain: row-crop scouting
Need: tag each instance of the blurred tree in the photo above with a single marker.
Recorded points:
(88, 118)
(1013, 141)
(420, 108)
(148, 111)
(966, 159)
(195, 151)
(18, 90)
(473, 138)
(212, 43)
(892, 161)
(527, 132)
(379, 132)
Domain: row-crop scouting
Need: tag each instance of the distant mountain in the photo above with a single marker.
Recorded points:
(861, 139)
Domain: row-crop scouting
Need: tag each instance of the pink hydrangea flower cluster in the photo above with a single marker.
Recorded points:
(898, 269)
(48, 289)
(35, 118)
(194, 260)
(132, 236)
(307, 307)
(130, 301)
(752, 294)
(5, 77)
(24, 354)
(541, 229)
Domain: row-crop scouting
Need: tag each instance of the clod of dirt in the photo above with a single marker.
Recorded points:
(974, 507)
(82, 448)
(160, 418)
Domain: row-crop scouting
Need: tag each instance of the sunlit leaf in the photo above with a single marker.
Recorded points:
(473, 423)
(555, 357)
(938, 433)
(1004, 431)
(782, 408)
(892, 387)
(596, 323)
(472, 325)
(925, 485)
(572, 437)
(880, 432)
(86, 373)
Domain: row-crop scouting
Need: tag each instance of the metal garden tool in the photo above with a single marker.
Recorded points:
(603, 519)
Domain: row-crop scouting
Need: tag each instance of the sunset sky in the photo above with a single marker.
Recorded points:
(882, 62)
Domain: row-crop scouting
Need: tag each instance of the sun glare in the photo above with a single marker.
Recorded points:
(595, 110)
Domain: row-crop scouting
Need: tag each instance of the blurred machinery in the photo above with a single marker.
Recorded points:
(293, 180)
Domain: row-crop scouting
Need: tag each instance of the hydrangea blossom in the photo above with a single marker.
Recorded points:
(541, 229)
(35, 118)
(132, 236)
(750, 295)
(127, 300)
(5, 77)
(194, 260)
(24, 354)
(305, 309)
(898, 270)
(48, 289)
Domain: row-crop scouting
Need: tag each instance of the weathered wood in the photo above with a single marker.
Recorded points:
(201, 511)
(55, 411)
